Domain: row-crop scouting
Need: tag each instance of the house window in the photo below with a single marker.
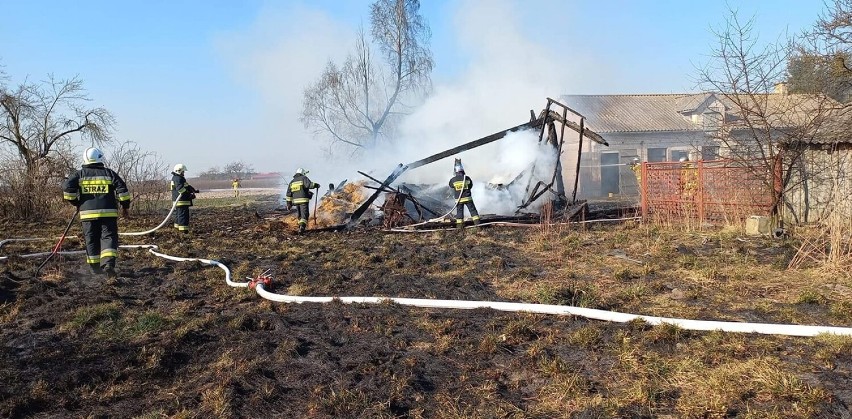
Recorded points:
(710, 152)
(656, 154)
(680, 154)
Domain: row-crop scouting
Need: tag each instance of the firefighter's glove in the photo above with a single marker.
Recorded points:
(124, 212)
(316, 186)
(289, 206)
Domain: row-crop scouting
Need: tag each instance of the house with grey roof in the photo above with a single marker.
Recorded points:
(647, 127)
(805, 128)
(820, 176)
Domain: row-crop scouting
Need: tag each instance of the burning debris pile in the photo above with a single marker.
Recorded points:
(508, 196)
(338, 204)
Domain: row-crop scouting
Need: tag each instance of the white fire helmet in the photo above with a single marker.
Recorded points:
(180, 168)
(92, 155)
(301, 171)
(458, 168)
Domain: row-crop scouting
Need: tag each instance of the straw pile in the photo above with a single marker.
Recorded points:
(335, 208)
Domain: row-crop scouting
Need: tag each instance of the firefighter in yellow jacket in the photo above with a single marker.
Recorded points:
(97, 192)
(184, 193)
(236, 184)
(461, 184)
(299, 194)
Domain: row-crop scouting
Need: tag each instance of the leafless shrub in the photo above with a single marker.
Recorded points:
(144, 172)
(19, 196)
(38, 122)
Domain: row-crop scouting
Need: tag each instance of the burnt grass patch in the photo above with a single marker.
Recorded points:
(173, 340)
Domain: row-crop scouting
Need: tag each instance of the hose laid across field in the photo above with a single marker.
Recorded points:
(703, 325)
(49, 254)
(508, 224)
(165, 220)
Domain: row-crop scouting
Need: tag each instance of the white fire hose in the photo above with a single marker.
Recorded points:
(165, 220)
(35, 255)
(508, 224)
(613, 316)
(704, 325)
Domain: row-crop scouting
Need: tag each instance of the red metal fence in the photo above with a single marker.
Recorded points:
(717, 190)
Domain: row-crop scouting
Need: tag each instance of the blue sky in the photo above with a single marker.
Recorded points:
(209, 82)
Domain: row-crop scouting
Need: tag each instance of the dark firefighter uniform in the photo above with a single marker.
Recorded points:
(184, 193)
(461, 184)
(94, 189)
(299, 195)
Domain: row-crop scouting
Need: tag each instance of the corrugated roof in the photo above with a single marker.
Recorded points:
(627, 113)
(666, 112)
(835, 128)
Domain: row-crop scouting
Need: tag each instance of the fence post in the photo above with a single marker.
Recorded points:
(700, 193)
(643, 190)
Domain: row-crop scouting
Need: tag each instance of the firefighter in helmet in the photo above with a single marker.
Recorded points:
(183, 193)
(236, 185)
(461, 184)
(636, 167)
(299, 194)
(97, 192)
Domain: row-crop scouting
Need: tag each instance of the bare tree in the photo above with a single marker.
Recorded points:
(828, 164)
(237, 169)
(355, 104)
(821, 56)
(38, 121)
(211, 173)
(810, 71)
(229, 171)
(36, 117)
(762, 118)
(144, 172)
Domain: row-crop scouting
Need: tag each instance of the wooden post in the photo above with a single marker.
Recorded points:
(579, 155)
(700, 193)
(643, 190)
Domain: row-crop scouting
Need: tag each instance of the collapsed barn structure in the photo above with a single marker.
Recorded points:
(407, 204)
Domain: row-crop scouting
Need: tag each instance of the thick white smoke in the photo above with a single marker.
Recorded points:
(506, 76)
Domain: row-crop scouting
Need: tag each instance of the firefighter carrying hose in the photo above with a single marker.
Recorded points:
(461, 184)
(97, 192)
(299, 194)
(184, 193)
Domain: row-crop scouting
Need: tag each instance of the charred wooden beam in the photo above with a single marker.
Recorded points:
(539, 122)
(385, 190)
(370, 177)
(473, 144)
(356, 215)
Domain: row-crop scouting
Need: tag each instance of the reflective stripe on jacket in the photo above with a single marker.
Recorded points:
(97, 191)
(299, 190)
(461, 184)
(181, 190)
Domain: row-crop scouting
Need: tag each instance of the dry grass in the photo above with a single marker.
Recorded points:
(209, 350)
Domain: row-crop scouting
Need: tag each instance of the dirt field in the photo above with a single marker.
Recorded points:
(173, 340)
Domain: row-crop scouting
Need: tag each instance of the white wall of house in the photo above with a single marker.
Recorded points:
(600, 166)
(820, 189)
